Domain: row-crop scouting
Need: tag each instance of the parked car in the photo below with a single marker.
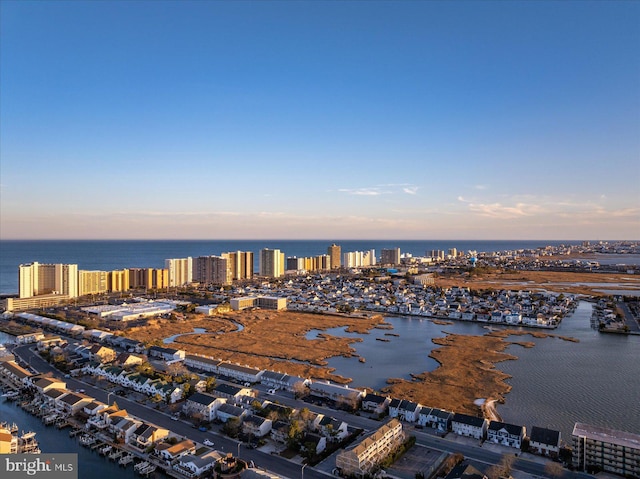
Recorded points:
(207, 442)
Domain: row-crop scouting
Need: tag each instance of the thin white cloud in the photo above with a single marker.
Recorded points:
(480, 187)
(410, 190)
(497, 210)
(361, 191)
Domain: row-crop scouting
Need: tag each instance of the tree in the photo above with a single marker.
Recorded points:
(177, 369)
(553, 469)
(210, 383)
(232, 427)
(300, 389)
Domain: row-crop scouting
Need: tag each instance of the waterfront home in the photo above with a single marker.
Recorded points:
(170, 452)
(125, 428)
(404, 410)
(49, 342)
(49, 397)
(332, 428)
(203, 405)
(281, 380)
(506, 434)
(229, 411)
(270, 409)
(545, 442)
(93, 408)
(256, 425)
(440, 419)
(375, 403)
(30, 338)
(470, 426)
(146, 435)
(241, 373)
(194, 466)
(313, 442)
(336, 392)
(44, 384)
(363, 458)
(72, 403)
(230, 392)
(16, 373)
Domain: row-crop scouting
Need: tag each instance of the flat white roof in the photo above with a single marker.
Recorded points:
(604, 434)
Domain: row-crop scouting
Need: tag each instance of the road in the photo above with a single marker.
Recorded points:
(275, 463)
(629, 319)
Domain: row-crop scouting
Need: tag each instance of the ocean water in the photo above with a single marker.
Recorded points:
(118, 254)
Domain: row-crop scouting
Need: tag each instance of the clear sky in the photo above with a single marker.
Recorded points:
(339, 120)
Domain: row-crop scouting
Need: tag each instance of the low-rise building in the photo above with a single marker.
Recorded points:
(203, 405)
(607, 449)
(545, 442)
(375, 403)
(470, 426)
(363, 458)
(506, 434)
(256, 425)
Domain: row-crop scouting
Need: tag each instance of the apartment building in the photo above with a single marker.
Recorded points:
(612, 451)
(36, 279)
(272, 263)
(92, 282)
(334, 251)
(212, 270)
(363, 458)
(390, 256)
(180, 271)
(240, 263)
(118, 280)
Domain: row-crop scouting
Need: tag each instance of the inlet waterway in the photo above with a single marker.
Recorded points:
(554, 384)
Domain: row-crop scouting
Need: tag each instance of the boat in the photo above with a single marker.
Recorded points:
(12, 428)
(27, 443)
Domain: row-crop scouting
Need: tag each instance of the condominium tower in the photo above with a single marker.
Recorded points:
(390, 256)
(36, 279)
(272, 263)
(211, 270)
(334, 252)
(240, 263)
(180, 271)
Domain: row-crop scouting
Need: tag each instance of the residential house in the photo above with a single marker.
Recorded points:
(201, 362)
(333, 429)
(72, 403)
(15, 372)
(231, 393)
(375, 403)
(506, 434)
(470, 426)
(44, 384)
(256, 425)
(195, 466)
(176, 451)
(50, 396)
(280, 431)
(146, 435)
(101, 353)
(465, 471)
(241, 373)
(314, 442)
(93, 408)
(274, 379)
(545, 442)
(404, 410)
(124, 428)
(128, 360)
(229, 411)
(203, 405)
(336, 392)
(167, 354)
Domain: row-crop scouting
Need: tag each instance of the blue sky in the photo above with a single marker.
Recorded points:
(349, 120)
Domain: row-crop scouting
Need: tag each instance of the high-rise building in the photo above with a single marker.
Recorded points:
(35, 279)
(272, 263)
(453, 252)
(334, 252)
(240, 263)
(180, 271)
(119, 280)
(211, 270)
(92, 282)
(156, 278)
(390, 256)
(357, 259)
